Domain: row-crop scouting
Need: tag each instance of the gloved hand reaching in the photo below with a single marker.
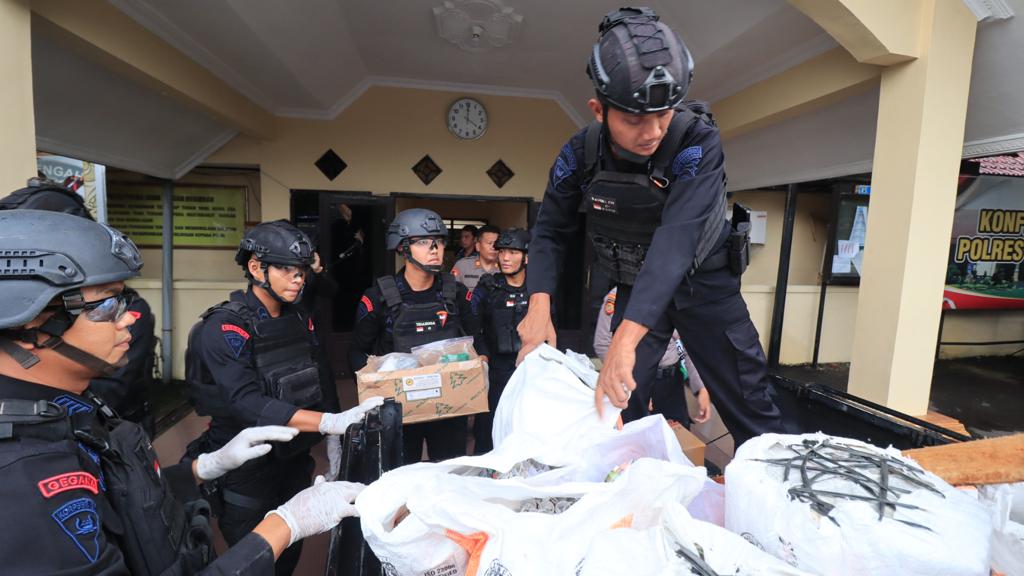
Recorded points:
(246, 445)
(338, 423)
(318, 508)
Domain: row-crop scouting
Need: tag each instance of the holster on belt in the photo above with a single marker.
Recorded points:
(739, 239)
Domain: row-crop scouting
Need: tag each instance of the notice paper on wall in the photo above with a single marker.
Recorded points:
(860, 226)
(841, 265)
(847, 249)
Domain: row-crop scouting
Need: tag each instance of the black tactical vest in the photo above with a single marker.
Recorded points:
(283, 355)
(507, 306)
(155, 533)
(624, 208)
(417, 324)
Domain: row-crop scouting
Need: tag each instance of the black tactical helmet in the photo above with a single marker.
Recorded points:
(415, 223)
(639, 65)
(45, 254)
(276, 242)
(41, 194)
(513, 239)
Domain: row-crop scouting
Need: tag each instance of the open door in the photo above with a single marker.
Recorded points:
(349, 229)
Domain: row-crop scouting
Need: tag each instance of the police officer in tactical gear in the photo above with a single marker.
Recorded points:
(255, 360)
(126, 390)
(499, 303)
(650, 176)
(85, 487)
(417, 305)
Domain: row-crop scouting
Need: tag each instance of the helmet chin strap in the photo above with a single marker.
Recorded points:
(428, 268)
(265, 284)
(54, 329)
(616, 149)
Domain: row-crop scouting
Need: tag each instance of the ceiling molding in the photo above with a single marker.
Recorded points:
(788, 59)
(89, 154)
(989, 10)
(205, 152)
(460, 87)
(832, 171)
(155, 22)
(1007, 144)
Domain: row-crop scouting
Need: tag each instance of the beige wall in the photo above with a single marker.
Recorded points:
(501, 214)
(18, 134)
(387, 130)
(809, 237)
(380, 136)
(190, 300)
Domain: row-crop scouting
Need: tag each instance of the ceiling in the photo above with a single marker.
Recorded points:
(310, 58)
(313, 58)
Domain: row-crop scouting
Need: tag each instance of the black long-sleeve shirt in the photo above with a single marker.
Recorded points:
(697, 185)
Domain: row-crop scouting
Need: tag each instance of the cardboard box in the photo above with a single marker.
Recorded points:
(691, 445)
(430, 392)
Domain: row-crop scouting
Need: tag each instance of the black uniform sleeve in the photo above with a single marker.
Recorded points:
(250, 556)
(58, 517)
(368, 330)
(227, 354)
(558, 219)
(477, 319)
(691, 200)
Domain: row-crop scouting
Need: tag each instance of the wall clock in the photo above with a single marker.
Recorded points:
(467, 119)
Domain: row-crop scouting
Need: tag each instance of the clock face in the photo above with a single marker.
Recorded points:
(467, 119)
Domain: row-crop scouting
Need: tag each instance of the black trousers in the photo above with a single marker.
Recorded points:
(445, 439)
(724, 346)
(501, 370)
(266, 483)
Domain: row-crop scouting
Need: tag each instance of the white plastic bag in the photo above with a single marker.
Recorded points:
(663, 549)
(487, 517)
(1006, 502)
(392, 362)
(417, 547)
(944, 531)
(445, 351)
(551, 397)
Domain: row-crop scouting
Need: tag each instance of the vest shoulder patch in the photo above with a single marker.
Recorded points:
(236, 329)
(236, 342)
(80, 521)
(687, 162)
(79, 480)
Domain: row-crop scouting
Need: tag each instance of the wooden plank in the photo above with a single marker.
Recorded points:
(990, 461)
(947, 422)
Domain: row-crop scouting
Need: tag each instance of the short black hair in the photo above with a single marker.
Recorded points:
(488, 228)
(470, 228)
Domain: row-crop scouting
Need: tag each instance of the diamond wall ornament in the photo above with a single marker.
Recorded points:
(500, 173)
(476, 25)
(426, 169)
(330, 164)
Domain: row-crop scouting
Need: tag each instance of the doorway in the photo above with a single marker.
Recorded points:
(348, 229)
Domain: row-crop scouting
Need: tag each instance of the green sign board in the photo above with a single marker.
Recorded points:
(204, 216)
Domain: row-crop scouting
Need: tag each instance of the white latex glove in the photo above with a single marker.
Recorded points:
(246, 445)
(338, 423)
(333, 456)
(318, 508)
